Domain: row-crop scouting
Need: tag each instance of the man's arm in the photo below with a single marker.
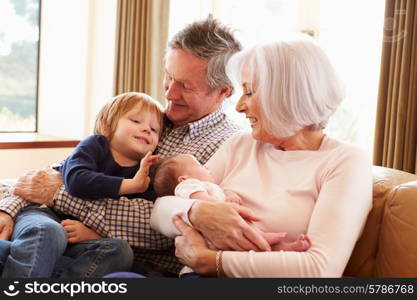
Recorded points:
(123, 218)
(10, 205)
(6, 226)
(127, 219)
(38, 186)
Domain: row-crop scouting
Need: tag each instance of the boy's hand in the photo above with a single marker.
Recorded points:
(141, 178)
(232, 197)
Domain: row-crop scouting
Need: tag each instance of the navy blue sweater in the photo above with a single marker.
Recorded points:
(90, 172)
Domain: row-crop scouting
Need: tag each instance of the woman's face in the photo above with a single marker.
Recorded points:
(248, 104)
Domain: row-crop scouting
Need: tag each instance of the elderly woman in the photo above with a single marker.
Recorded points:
(289, 173)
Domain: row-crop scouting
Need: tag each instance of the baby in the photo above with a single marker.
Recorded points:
(183, 176)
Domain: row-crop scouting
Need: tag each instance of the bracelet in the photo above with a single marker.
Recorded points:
(219, 265)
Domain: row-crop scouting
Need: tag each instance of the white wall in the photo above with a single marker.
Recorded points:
(18, 161)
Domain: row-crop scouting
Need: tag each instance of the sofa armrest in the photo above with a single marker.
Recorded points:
(364, 262)
(397, 247)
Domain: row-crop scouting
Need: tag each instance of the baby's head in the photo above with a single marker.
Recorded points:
(126, 115)
(174, 169)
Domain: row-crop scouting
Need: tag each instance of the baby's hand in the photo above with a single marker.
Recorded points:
(78, 232)
(141, 178)
(232, 197)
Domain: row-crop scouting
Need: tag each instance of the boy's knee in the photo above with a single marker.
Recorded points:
(48, 230)
(122, 251)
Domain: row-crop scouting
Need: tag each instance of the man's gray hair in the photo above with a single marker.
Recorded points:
(210, 40)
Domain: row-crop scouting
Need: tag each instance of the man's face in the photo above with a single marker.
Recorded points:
(189, 97)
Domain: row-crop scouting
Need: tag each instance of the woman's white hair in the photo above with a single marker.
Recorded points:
(296, 84)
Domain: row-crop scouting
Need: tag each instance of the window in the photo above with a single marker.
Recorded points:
(350, 31)
(19, 47)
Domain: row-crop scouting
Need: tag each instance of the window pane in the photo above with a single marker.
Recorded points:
(19, 39)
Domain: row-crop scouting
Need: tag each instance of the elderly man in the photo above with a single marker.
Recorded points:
(196, 86)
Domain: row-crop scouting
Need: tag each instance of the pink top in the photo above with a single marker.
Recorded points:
(325, 193)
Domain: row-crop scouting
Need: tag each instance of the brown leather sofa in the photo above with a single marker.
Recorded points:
(388, 244)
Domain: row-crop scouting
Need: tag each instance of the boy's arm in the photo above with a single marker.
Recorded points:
(139, 183)
(82, 170)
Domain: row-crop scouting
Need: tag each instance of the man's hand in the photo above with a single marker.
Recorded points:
(6, 226)
(38, 186)
(225, 227)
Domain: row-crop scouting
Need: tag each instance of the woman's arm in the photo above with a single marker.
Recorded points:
(335, 225)
(223, 224)
(339, 215)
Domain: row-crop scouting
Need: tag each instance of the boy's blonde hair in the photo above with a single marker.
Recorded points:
(166, 173)
(110, 114)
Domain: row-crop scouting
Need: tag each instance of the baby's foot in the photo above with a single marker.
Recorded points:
(78, 232)
(301, 244)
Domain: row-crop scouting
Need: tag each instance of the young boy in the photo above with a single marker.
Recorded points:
(113, 162)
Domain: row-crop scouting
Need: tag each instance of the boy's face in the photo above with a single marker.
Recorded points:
(191, 168)
(136, 134)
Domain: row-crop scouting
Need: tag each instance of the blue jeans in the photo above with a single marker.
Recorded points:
(94, 259)
(39, 249)
(38, 241)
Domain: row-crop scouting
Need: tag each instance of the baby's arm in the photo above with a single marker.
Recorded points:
(140, 182)
(232, 197)
(203, 195)
(78, 232)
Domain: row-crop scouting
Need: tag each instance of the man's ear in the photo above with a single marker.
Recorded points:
(182, 178)
(225, 92)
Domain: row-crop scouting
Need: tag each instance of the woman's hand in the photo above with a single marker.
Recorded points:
(192, 250)
(38, 186)
(224, 225)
